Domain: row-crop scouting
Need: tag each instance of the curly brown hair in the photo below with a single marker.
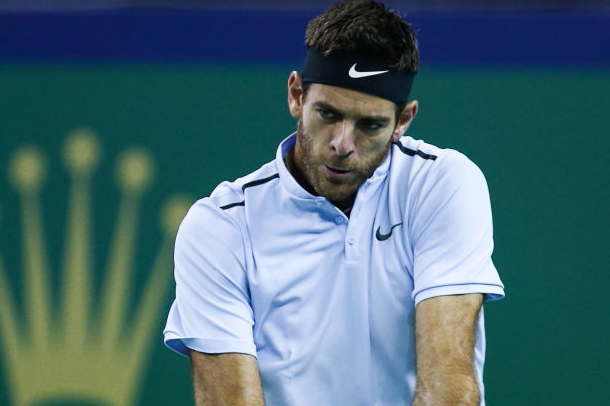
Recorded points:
(367, 28)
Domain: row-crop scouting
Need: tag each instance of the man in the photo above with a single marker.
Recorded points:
(349, 271)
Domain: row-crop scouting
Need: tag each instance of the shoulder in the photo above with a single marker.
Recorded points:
(436, 163)
(426, 179)
(220, 214)
(233, 194)
(407, 148)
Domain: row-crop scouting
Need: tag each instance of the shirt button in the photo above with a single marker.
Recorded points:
(351, 240)
(339, 219)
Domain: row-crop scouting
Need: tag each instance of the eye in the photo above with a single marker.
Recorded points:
(326, 114)
(372, 125)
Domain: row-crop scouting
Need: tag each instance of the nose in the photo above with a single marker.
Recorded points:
(342, 141)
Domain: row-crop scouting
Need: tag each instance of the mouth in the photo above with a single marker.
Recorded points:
(336, 172)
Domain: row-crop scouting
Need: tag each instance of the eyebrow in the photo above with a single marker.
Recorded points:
(326, 106)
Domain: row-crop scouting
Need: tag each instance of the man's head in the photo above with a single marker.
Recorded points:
(365, 28)
(351, 98)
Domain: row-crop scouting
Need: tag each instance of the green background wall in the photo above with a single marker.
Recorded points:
(540, 135)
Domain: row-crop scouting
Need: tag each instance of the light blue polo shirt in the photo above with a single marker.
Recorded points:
(324, 302)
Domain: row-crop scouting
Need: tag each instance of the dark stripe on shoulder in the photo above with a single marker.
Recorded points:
(259, 181)
(228, 206)
(412, 152)
(247, 185)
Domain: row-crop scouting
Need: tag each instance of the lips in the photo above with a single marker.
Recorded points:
(336, 172)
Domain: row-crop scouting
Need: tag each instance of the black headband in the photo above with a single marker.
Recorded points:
(357, 72)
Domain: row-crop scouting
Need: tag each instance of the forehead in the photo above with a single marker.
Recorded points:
(350, 102)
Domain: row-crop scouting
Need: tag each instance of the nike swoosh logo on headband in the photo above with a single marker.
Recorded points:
(353, 73)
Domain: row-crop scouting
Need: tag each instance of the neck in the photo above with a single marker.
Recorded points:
(346, 206)
(296, 173)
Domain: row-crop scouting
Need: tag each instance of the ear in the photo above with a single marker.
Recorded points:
(404, 120)
(295, 94)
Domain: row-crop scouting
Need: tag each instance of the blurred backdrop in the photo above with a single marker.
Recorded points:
(116, 115)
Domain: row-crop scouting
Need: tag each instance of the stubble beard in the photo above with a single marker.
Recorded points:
(338, 191)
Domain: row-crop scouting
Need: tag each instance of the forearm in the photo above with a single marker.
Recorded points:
(445, 340)
(226, 380)
(447, 389)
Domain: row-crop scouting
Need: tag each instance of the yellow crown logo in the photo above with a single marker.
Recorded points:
(83, 346)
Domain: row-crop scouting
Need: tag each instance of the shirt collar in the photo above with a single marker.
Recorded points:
(286, 178)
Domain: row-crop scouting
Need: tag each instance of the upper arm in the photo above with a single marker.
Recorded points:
(445, 330)
(212, 312)
(452, 233)
(226, 379)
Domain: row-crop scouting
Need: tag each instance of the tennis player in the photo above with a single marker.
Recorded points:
(352, 268)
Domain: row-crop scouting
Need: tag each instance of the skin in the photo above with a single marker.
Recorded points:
(226, 379)
(445, 334)
(342, 137)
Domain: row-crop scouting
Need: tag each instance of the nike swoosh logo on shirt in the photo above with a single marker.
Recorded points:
(383, 237)
(353, 73)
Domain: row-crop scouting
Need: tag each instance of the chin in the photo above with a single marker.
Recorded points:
(336, 193)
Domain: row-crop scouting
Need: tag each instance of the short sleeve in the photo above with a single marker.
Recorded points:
(211, 312)
(453, 232)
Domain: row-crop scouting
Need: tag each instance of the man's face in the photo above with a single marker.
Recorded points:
(342, 137)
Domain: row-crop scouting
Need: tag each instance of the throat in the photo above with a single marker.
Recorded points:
(345, 205)
(347, 211)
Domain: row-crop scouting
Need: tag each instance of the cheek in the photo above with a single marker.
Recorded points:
(372, 146)
(318, 135)
(311, 125)
(308, 115)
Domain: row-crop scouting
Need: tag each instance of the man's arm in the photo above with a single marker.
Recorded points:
(445, 333)
(226, 379)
